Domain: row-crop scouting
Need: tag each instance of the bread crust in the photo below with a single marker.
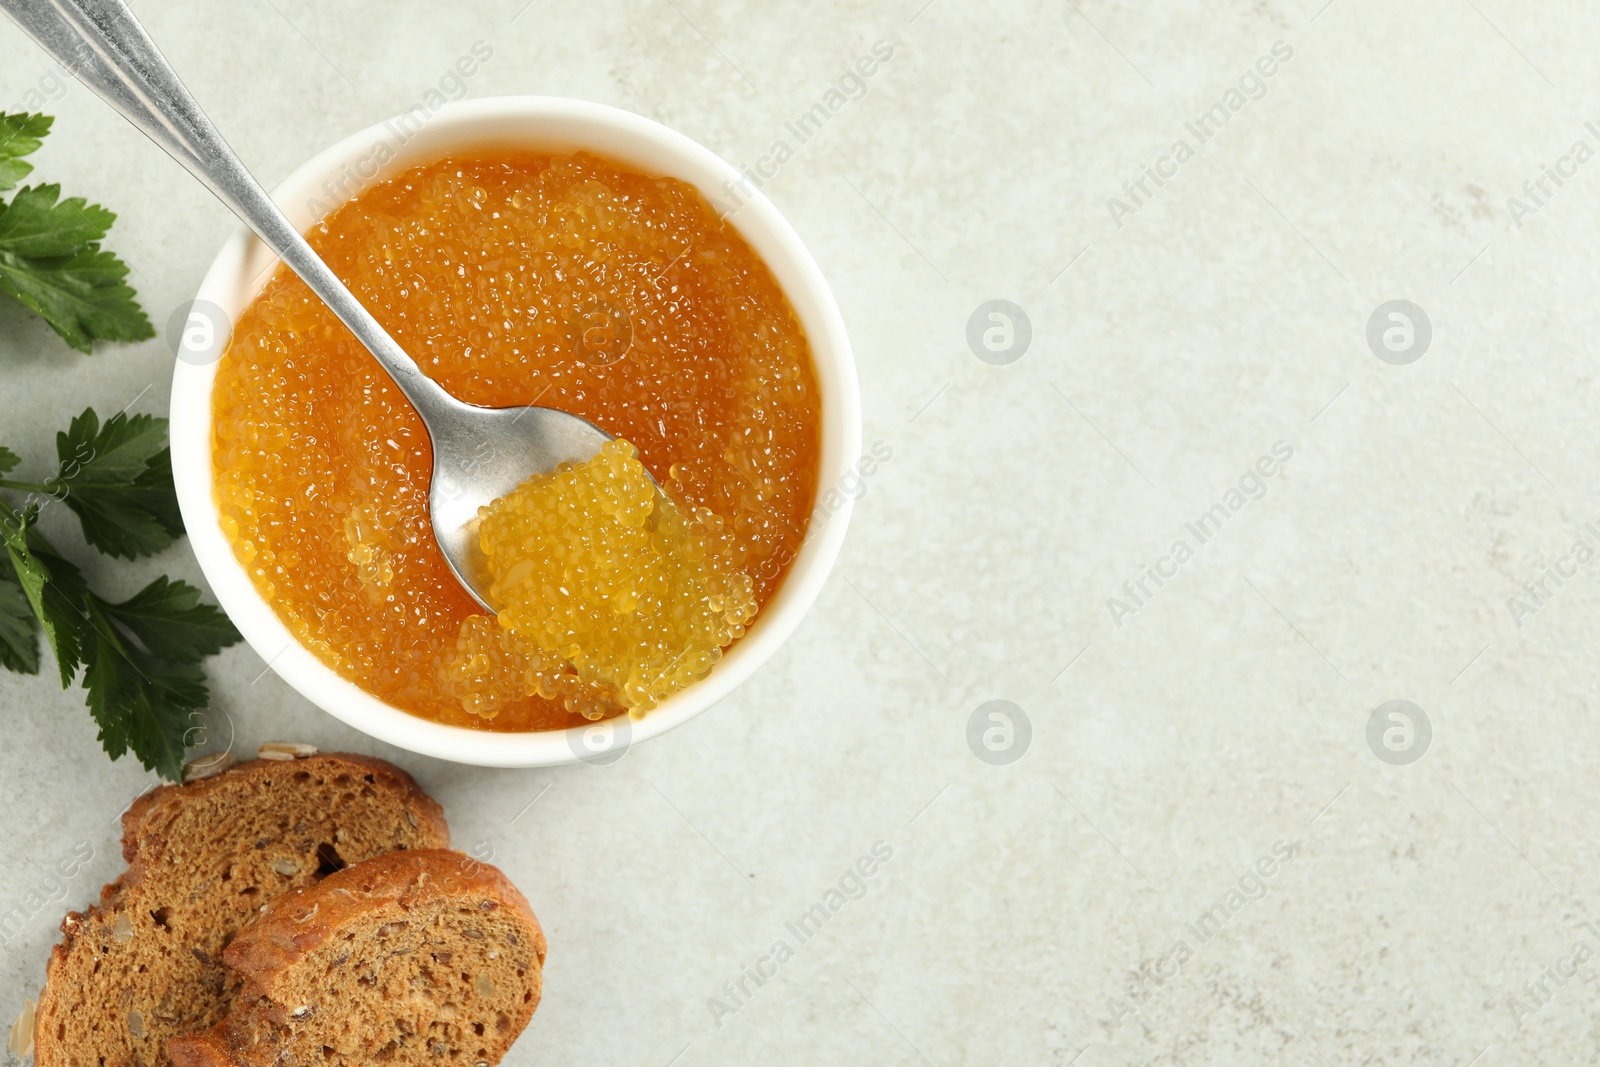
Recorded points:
(390, 888)
(146, 826)
(269, 947)
(154, 810)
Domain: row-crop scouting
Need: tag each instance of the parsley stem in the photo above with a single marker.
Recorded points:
(31, 487)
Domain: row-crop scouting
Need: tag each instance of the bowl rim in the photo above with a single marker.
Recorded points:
(538, 123)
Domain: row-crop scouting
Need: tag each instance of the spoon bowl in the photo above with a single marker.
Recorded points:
(480, 455)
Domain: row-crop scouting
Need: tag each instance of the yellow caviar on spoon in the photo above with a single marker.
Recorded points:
(610, 594)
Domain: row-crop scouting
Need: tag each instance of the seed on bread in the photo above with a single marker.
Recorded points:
(285, 750)
(208, 766)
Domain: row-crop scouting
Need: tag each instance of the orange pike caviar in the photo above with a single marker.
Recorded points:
(515, 278)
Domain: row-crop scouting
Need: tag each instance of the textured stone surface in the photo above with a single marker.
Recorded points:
(1229, 712)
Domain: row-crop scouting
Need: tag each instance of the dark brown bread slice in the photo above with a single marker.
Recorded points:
(410, 958)
(204, 859)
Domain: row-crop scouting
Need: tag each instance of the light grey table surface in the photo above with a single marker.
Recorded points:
(1176, 738)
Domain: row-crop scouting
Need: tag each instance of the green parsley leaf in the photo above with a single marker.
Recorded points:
(20, 135)
(91, 454)
(141, 656)
(35, 226)
(117, 479)
(51, 261)
(83, 297)
(141, 702)
(55, 591)
(19, 629)
(168, 619)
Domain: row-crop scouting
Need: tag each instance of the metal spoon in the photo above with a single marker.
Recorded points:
(479, 453)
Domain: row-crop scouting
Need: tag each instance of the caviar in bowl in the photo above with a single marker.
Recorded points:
(296, 575)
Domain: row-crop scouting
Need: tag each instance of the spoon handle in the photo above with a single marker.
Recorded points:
(107, 49)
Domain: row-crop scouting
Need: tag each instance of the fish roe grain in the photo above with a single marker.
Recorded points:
(515, 278)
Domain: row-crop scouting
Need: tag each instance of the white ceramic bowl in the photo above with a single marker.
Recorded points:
(542, 124)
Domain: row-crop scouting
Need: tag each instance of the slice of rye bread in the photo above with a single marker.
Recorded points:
(425, 957)
(204, 859)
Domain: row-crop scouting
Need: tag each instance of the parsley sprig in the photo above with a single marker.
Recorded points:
(51, 261)
(140, 657)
